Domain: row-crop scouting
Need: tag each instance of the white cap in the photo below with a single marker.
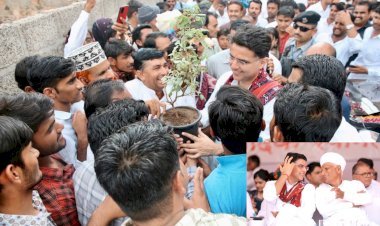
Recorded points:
(87, 56)
(333, 158)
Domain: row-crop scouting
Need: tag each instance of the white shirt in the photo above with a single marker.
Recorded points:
(347, 47)
(222, 20)
(324, 27)
(267, 113)
(369, 57)
(335, 210)
(261, 22)
(346, 133)
(317, 7)
(373, 208)
(78, 33)
(289, 214)
(141, 92)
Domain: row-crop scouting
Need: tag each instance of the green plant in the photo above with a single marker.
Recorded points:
(182, 79)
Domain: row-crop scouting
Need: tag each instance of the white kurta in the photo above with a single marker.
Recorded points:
(346, 133)
(337, 211)
(289, 214)
(317, 7)
(372, 209)
(347, 47)
(78, 33)
(141, 92)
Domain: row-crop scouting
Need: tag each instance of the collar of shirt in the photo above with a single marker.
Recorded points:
(58, 174)
(62, 115)
(233, 161)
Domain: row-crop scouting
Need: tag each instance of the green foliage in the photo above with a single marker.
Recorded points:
(181, 80)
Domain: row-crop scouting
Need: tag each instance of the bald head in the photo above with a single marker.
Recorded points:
(323, 48)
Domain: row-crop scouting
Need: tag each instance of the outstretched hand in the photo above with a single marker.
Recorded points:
(286, 168)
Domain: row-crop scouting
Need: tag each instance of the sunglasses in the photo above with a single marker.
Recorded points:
(303, 29)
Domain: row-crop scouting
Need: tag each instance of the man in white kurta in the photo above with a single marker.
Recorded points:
(339, 201)
(362, 172)
(151, 67)
(294, 212)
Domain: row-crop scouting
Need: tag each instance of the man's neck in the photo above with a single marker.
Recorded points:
(270, 20)
(324, 5)
(254, 20)
(62, 106)
(282, 33)
(246, 84)
(17, 204)
(300, 44)
(329, 21)
(337, 38)
(133, 22)
(358, 26)
(165, 219)
(336, 183)
(291, 180)
(49, 162)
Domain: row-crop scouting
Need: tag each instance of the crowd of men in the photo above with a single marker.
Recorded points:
(81, 144)
(315, 193)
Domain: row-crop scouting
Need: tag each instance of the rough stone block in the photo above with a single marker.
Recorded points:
(67, 16)
(12, 45)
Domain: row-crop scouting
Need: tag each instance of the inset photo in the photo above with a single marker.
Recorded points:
(302, 184)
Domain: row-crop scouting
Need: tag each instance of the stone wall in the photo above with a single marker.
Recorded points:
(44, 34)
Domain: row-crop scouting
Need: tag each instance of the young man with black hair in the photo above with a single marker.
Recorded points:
(325, 25)
(254, 10)
(272, 8)
(56, 187)
(313, 174)
(19, 173)
(304, 113)
(284, 19)
(135, 168)
(326, 72)
(139, 35)
(211, 24)
(132, 15)
(223, 39)
(362, 14)
(291, 201)
(106, 121)
(235, 11)
(253, 165)
(21, 72)
(55, 77)
(236, 117)
(249, 50)
(119, 55)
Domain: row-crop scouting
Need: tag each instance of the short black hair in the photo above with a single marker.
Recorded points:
(253, 38)
(15, 135)
(136, 33)
(312, 166)
(236, 2)
(366, 3)
(257, 2)
(136, 166)
(301, 7)
(377, 9)
(117, 47)
(277, 2)
(48, 71)
(150, 41)
(262, 174)
(208, 14)
(295, 156)
(289, 3)
(357, 165)
(286, 11)
(339, 5)
(145, 54)
(323, 71)
(134, 6)
(255, 159)
(31, 108)
(235, 25)
(113, 117)
(366, 161)
(236, 118)
(306, 113)
(223, 32)
(22, 68)
(98, 94)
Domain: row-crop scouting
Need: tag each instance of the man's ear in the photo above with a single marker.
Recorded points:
(28, 89)
(178, 183)
(263, 125)
(277, 135)
(139, 43)
(84, 80)
(50, 92)
(11, 174)
(112, 61)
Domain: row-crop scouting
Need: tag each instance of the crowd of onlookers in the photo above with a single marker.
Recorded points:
(82, 144)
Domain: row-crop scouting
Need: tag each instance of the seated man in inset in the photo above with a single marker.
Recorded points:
(304, 113)
(290, 200)
(337, 200)
(140, 169)
(236, 117)
(19, 173)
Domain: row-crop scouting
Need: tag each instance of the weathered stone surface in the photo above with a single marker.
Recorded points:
(12, 45)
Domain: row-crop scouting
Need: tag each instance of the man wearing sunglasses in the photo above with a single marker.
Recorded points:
(305, 28)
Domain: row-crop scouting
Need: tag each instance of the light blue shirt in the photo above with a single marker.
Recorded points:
(226, 185)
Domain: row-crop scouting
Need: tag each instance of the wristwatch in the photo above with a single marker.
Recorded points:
(350, 26)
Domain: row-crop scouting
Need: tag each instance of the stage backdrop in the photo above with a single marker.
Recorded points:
(272, 154)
